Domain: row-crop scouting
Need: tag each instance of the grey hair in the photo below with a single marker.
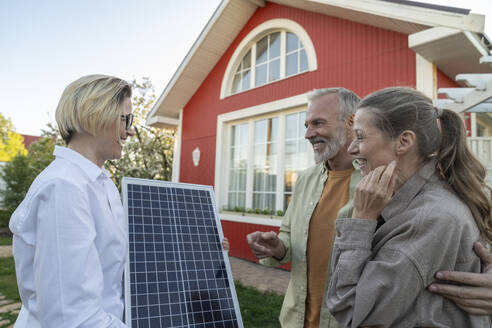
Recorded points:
(347, 100)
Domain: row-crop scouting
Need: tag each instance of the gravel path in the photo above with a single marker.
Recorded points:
(6, 251)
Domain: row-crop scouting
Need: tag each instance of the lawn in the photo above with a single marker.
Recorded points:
(5, 241)
(8, 281)
(8, 287)
(258, 310)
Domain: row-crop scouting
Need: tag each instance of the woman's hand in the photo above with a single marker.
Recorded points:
(374, 192)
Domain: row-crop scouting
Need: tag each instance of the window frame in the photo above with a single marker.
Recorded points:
(280, 109)
(249, 43)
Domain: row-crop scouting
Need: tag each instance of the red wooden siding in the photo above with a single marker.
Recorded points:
(236, 233)
(443, 81)
(28, 139)
(359, 57)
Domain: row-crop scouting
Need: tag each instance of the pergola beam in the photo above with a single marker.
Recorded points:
(466, 99)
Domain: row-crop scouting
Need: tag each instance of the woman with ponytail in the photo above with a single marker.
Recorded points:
(419, 208)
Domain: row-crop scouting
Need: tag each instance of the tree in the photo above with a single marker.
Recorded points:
(11, 143)
(20, 172)
(40, 153)
(17, 176)
(149, 153)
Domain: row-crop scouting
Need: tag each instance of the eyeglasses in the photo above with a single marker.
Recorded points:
(128, 120)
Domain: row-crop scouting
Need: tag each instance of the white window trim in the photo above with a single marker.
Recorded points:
(273, 222)
(250, 41)
(425, 75)
(177, 149)
(222, 140)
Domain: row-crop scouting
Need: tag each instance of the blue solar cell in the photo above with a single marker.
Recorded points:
(177, 275)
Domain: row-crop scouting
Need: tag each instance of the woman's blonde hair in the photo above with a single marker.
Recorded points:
(90, 104)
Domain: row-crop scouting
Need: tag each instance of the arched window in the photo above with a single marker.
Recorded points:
(274, 50)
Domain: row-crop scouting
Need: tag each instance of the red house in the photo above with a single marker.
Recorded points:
(238, 99)
(28, 139)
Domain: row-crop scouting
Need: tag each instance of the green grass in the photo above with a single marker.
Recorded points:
(8, 287)
(8, 281)
(10, 317)
(258, 309)
(5, 241)
(4, 218)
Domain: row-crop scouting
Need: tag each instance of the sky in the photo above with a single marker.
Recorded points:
(45, 45)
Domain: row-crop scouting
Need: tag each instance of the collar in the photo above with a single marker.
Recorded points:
(410, 189)
(326, 167)
(89, 168)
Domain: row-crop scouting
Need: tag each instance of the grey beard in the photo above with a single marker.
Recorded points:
(332, 147)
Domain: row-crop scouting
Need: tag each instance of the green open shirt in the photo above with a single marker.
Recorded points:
(294, 234)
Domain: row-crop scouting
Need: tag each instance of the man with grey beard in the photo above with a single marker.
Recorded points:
(322, 191)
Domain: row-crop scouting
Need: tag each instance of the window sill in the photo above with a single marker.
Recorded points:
(268, 220)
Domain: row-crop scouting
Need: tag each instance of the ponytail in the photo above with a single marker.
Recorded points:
(464, 172)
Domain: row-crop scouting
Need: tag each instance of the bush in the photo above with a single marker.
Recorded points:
(20, 172)
(4, 219)
(17, 176)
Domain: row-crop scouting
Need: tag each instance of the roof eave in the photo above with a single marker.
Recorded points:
(231, 16)
(187, 77)
(453, 51)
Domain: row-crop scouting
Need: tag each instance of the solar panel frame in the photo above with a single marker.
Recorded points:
(225, 264)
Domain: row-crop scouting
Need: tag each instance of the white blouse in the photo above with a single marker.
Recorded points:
(70, 245)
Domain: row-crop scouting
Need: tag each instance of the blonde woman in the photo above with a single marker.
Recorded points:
(70, 239)
(419, 208)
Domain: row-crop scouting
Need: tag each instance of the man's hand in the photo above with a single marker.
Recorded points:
(266, 244)
(225, 244)
(475, 297)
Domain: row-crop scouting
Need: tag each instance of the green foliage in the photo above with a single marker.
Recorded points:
(20, 172)
(51, 131)
(5, 241)
(40, 153)
(267, 211)
(5, 126)
(239, 209)
(258, 309)
(149, 153)
(18, 176)
(4, 218)
(11, 143)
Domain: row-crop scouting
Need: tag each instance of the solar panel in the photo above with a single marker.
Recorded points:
(177, 274)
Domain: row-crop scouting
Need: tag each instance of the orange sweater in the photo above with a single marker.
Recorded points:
(321, 227)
